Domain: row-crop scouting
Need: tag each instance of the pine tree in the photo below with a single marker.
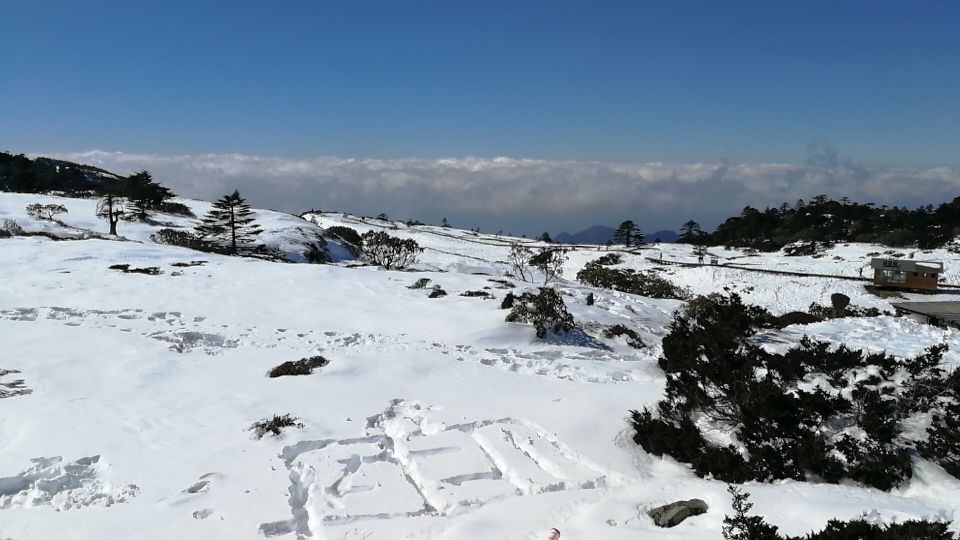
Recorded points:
(690, 233)
(742, 526)
(230, 220)
(627, 234)
(144, 194)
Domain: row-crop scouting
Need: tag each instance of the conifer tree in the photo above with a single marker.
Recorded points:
(144, 194)
(628, 234)
(690, 233)
(230, 221)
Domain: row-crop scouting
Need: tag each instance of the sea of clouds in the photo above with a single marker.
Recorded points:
(532, 195)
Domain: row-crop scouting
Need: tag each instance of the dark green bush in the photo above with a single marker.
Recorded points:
(610, 259)
(545, 310)
(304, 366)
(346, 234)
(175, 209)
(717, 375)
(187, 239)
(629, 281)
(827, 312)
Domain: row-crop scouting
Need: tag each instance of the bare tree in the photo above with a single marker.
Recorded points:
(550, 261)
(519, 260)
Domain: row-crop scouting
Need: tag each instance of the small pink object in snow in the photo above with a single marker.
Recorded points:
(554, 534)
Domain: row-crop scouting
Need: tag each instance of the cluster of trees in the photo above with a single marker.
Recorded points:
(136, 197)
(628, 234)
(42, 175)
(851, 426)
(548, 261)
(823, 219)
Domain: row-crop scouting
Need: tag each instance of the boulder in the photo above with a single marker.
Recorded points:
(839, 301)
(670, 515)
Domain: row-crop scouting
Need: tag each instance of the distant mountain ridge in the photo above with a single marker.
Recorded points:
(19, 173)
(599, 234)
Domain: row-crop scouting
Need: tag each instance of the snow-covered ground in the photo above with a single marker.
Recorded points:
(434, 419)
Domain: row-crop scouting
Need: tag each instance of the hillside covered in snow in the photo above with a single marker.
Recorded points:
(127, 398)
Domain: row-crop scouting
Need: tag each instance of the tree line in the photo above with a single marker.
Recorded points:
(822, 219)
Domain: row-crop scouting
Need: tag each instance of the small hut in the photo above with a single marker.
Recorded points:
(906, 273)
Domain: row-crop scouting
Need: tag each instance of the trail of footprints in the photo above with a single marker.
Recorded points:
(63, 485)
(185, 334)
(408, 465)
(12, 387)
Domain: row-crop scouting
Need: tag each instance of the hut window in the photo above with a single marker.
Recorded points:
(893, 276)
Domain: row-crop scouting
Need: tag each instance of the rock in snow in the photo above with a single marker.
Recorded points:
(671, 515)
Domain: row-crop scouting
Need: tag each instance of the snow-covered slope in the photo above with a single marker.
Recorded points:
(434, 419)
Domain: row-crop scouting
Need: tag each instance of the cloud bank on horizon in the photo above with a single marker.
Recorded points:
(532, 195)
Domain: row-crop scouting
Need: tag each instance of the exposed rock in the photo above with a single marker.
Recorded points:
(670, 515)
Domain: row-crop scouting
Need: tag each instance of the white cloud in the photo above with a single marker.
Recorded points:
(531, 195)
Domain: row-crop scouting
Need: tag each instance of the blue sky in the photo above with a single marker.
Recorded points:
(652, 111)
(608, 81)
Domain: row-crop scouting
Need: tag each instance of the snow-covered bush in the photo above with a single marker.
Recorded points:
(848, 426)
(9, 227)
(629, 281)
(388, 251)
(943, 442)
(545, 310)
(618, 330)
(802, 248)
(274, 425)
